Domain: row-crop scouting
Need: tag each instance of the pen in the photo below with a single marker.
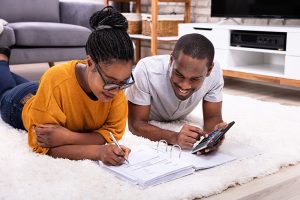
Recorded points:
(116, 143)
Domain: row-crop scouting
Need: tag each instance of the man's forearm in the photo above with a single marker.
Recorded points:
(153, 133)
(210, 123)
(76, 152)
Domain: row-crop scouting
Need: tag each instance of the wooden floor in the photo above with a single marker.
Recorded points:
(284, 96)
(283, 185)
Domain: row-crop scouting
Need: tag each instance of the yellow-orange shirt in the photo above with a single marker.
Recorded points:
(61, 100)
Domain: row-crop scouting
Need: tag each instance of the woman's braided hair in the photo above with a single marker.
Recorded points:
(109, 41)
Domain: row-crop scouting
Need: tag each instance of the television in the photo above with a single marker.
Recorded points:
(286, 9)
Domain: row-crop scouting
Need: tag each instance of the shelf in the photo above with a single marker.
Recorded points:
(145, 37)
(257, 50)
(154, 25)
(261, 78)
(138, 3)
(125, 1)
(263, 69)
(264, 65)
(158, 0)
(182, 1)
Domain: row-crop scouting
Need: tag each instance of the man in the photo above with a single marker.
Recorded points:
(169, 87)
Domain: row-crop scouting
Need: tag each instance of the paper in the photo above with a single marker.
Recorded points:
(151, 166)
(207, 161)
(147, 167)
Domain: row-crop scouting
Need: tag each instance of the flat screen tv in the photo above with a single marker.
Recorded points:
(289, 9)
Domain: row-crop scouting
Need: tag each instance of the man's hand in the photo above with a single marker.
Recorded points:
(221, 125)
(52, 135)
(188, 136)
(112, 155)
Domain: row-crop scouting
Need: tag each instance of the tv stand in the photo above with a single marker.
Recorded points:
(229, 19)
(281, 67)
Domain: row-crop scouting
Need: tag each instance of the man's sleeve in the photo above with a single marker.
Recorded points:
(139, 93)
(215, 93)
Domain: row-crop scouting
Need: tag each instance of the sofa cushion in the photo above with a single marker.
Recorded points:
(78, 12)
(38, 34)
(7, 37)
(40, 55)
(29, 10)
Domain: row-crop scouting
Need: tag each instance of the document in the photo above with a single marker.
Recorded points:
(149, 166)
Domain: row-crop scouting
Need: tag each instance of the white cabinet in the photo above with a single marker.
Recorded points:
(273, 66)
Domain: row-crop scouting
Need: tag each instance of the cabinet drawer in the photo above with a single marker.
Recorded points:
(219, 37)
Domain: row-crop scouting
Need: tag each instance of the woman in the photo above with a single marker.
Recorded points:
(70, 113)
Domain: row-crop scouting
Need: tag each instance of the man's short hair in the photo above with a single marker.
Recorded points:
(196, 46)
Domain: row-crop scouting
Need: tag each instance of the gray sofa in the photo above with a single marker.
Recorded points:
(46, 30)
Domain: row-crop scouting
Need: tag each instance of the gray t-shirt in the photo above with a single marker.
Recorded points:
(153, 87)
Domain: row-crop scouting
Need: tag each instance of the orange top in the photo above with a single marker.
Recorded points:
(61, 100)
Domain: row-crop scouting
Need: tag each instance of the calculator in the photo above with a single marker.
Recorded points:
(212, 139)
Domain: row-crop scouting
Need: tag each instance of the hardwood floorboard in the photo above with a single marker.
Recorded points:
(285, 96)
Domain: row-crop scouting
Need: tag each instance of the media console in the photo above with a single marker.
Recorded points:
(261, 53)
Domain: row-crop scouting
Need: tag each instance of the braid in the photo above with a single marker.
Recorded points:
(109, 41)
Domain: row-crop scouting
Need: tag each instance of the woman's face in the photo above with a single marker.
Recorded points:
(116, 73)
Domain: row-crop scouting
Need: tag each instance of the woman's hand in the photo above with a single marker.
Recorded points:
(112, 155)
(52, 135)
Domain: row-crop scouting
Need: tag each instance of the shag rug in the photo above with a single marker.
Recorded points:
(270, 127)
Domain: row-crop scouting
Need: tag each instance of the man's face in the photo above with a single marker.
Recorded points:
(188, 74)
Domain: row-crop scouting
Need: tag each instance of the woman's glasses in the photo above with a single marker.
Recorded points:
(112, 86)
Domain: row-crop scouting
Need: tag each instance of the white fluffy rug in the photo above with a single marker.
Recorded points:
(273, 128)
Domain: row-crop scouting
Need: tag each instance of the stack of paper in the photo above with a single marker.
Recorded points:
(148, 166)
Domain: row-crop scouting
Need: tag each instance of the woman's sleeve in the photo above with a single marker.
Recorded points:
(44, 108)
(116, 120)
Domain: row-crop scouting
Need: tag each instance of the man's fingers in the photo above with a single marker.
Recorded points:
(189, 139)
(221, 125)
(194, 129)
(189, 133)
(197, 132)
(186, 145)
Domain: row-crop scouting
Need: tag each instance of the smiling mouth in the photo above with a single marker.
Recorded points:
(184, 91)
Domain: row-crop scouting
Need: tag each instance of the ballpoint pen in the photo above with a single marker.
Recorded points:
(116, 143)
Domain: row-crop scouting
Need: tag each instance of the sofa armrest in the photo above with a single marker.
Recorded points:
(77, 12)
(7, 37)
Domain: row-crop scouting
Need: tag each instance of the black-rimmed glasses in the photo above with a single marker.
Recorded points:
(112, 86)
